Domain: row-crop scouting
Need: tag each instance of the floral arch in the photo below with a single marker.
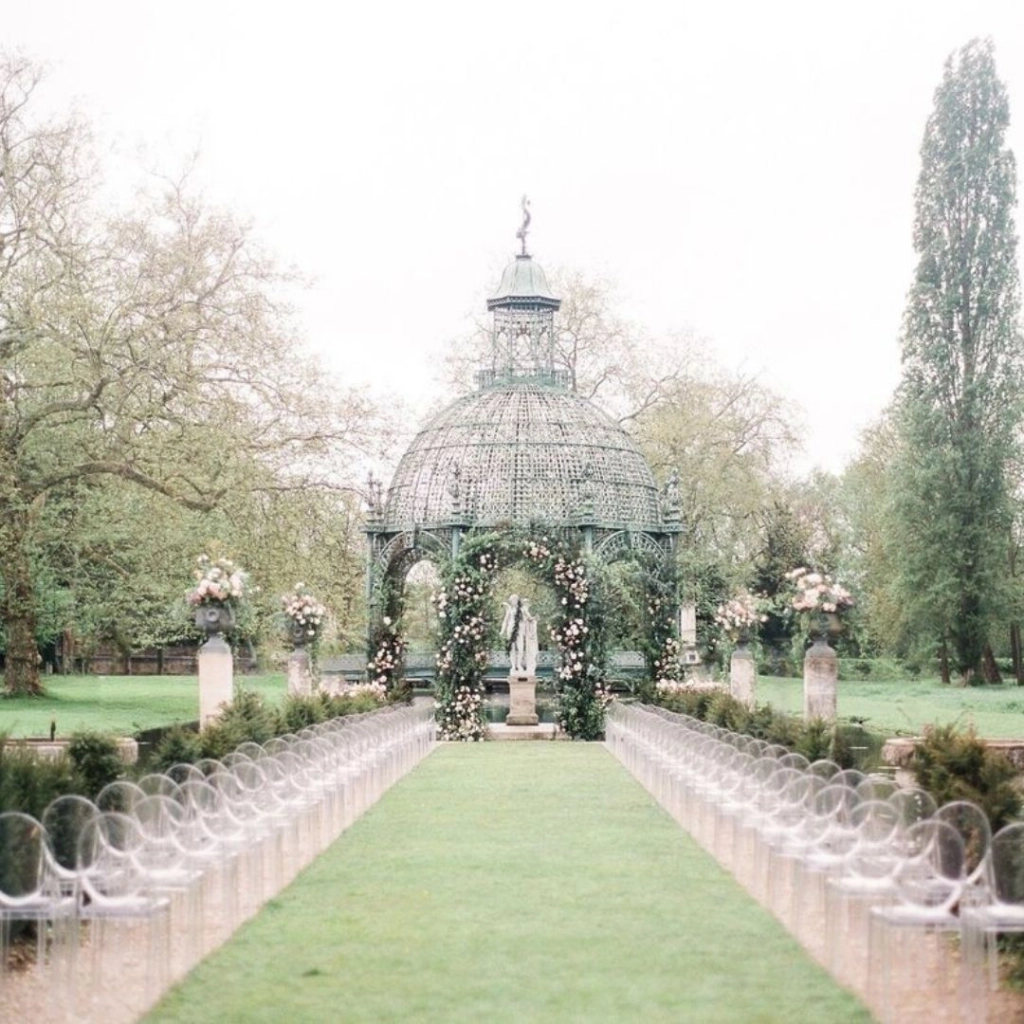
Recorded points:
(555, 557)
(463, 605)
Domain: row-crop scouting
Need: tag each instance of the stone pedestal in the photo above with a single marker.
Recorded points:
(216, 679)
(743, 675)
(300, 680)
(522, 700)
(821, 677)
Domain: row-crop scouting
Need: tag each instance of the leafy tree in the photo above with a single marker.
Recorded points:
(152, 347)
(786, 540)
(962, 359)
(872, 550)
(726, 436)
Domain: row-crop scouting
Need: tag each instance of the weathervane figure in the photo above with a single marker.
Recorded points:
(521, 233)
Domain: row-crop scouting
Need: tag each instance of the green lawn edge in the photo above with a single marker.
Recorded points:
(126, 704)
(123, 705)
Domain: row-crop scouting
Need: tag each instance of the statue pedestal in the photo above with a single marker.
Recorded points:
(743, 675)
(821, 675)
(300, 682)
(522, 700)
(216, 679)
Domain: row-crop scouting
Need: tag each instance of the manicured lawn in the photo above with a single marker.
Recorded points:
(125, 704)
(119, 704)
(512, 882)
(904, 707)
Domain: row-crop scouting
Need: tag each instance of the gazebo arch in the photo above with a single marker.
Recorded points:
(524, 460)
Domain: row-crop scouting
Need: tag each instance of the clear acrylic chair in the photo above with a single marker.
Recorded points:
(31, 898)
(832, 836)
(981, 924)
(129, 937)
(866, 879)
(216, 843)
(173, 871)
(913, 974)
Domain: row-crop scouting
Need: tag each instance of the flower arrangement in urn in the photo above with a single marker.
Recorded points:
(819, 598)
(740, 616)
(304, 615)
(220, 588)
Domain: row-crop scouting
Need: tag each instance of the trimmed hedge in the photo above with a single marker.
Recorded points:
(816, 739)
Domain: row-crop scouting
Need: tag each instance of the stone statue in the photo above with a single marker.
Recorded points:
(510, 631)
(519, 631)
(672, 492)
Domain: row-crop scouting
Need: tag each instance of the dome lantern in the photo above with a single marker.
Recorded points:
(523, 325)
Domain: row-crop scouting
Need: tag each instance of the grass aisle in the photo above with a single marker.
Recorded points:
(512, 882)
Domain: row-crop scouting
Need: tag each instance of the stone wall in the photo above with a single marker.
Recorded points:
(898, 750)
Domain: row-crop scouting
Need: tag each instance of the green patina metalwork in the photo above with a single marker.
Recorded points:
(523, 456)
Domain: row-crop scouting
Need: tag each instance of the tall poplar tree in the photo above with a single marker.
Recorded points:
(960, 398)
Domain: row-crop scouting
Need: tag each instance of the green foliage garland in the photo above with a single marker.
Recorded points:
(661, 647)
(386, 656)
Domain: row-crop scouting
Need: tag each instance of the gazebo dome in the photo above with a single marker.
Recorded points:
(522, 451)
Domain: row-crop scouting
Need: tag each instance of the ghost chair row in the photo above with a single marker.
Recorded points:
(846, 861)
(164, 869)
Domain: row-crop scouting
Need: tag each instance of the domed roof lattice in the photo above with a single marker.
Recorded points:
(525, 448)
(523, 452)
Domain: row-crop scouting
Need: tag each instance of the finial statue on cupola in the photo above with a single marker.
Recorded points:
(522, 232)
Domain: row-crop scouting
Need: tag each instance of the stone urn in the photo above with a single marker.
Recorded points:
(215, 619)
(824, 626)
(298, 635)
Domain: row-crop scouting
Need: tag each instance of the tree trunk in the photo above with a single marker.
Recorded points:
(944, 662)
(1015, 653)
(989, 668)
(18, 612)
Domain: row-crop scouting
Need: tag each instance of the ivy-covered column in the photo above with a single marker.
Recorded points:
(462, 606)
(661, 646)
(386, 652)
(580, 635)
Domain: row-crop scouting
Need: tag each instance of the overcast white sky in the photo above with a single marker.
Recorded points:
(741, 170)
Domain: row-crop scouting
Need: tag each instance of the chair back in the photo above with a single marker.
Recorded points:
(931, 871)
(119, 796)
(63, 821)
(22, 859)
(913, 804)
(107, 862)
(1008, 864)
(973, 825)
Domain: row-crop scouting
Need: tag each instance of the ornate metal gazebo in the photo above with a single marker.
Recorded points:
(523, 452)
